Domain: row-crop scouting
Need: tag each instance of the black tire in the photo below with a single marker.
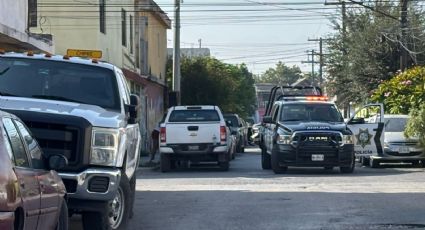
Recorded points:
(233, 156)
(365, 161)
(107, 219)
(242, 149)
(133, 195)
(165, 163)
(349, 169)
(63, 217)
(277, 169)
(224, 165)
(266, 161)
(374, 163)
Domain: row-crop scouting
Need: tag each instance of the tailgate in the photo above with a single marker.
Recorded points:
(193, 133)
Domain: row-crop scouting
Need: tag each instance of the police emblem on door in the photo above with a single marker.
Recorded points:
(363, 137)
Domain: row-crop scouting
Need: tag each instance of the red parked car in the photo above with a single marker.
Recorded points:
(31, 195)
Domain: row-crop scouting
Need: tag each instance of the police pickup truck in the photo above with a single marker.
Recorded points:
(82, 109)
(303, 129)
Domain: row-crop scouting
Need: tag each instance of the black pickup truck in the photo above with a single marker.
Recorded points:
(302, 128)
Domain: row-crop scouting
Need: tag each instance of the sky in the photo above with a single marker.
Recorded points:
(258, 33)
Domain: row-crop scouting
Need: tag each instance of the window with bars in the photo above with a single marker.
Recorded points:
(124, 27)
(102, 16)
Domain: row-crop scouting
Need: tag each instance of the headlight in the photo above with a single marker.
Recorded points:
(347, 139)
(284, 139)
(104, 147)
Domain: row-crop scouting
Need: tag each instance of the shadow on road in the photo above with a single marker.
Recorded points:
(277, 210)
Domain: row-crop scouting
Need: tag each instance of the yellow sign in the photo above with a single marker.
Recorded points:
(84, 53)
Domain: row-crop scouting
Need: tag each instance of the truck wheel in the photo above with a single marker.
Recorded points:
(349, 169)
(224, 165)
(374, 163)
(63, 217)
(116, 216)
(165, 163)
(242, 149)
(133, 194)
(277, 169)
(265, 159)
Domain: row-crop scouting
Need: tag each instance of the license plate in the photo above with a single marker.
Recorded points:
(193, 147)
(317, 157)
(404, 150)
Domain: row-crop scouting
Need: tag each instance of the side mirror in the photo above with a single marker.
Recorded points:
(57, 162)
(267, 120)
(133, 109)
(357, 121)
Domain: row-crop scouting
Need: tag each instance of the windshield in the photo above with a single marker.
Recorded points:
(58, 81)
(194, 116)
(310, 112)
(395, 124)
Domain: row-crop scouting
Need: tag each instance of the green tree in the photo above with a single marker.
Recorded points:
(207, 80)
(369, 51)
(416, 124)
(280, 75)
(402, 93)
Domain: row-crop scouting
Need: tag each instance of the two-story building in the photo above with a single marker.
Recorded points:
(132, 34)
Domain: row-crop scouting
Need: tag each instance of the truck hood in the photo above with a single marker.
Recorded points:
(96, 115)
(314, 126)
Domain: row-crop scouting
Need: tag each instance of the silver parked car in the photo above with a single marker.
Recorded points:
(397, 147)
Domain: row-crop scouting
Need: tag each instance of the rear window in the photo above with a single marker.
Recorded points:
(233, 119)
(193, 116)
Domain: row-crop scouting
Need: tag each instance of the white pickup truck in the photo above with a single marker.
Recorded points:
(194, 133)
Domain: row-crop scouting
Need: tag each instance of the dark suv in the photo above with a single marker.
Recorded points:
(240, 129)
(305, 130)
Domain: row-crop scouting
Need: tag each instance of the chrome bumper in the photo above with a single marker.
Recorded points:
(82, 192)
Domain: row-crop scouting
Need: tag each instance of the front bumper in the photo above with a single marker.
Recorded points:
(337, 156)
(83, 186)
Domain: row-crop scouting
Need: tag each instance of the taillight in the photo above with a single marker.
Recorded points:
(223, 133)
(162, 134)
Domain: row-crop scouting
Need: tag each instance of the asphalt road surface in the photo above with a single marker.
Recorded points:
(248, 197)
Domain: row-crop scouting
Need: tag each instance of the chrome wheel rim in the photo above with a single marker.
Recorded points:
(116, 209)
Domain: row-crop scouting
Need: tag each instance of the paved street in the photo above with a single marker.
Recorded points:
(247, 197)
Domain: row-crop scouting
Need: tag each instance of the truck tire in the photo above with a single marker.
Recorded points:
(63, 217)
(224, 165)
(277, 169)
(349, 169)
(116, 216)
(265, 159)
(364, 161)
(165, 163)
(242, 149)
(374, 163)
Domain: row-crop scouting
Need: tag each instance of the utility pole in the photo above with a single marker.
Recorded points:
(321, 55)
(176, 52)
(200, 43)
(404, 53)
(312, 62)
